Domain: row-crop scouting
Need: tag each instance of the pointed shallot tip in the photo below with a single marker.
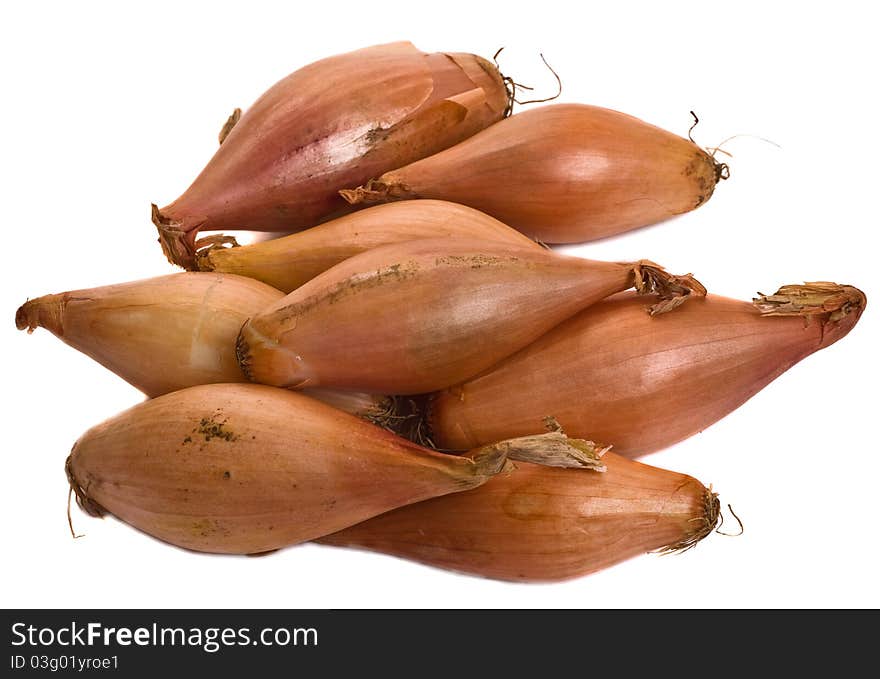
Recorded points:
(704, 524)
(204, 262)
(204, 247)
(354, 196)
(374, 191)
(555, 449)
(42, 312)
(672, 291)
(811, 299)
(23, 320)
(174, 240)
(377, 191)
(87, 504)
(489, 460)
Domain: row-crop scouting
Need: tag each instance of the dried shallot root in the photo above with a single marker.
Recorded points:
(329, 125)
(645, 383)
(418, 316)
(288, 262)
(561, 173)
(543, 524)
(170, 332)
(245, 468)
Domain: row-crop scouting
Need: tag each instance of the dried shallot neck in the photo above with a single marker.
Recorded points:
(672, 291)
(409, 417)
(554, 449)
(811, 299)
(375, 191)
(180, 247)
(207, 245)
(174, 240)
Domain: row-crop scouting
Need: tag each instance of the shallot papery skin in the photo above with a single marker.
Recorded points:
(169, 332)
(413, 317)
(544, 524)
(330, 125)
(288, 262)
(562, 173)
(159, 334)
(611, 373)
(245, 468)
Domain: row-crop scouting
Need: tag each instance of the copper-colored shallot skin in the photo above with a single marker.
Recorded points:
(159, 334)
(612, 374)
(245, 468)
(546, 524)
(288, 262)
(417, 316)
(562, 173)
(169, 332)
(331, 124)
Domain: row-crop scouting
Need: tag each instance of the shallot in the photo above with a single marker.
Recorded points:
(288, 262)
(169, 332)
(245, 468)
(543, 524)
(422, 315)
(561, 174)
(645, 383)
(329, 125)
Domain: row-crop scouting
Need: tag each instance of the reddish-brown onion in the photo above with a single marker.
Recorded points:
(245, 468)
(613, 374)
(169, 332)
(561, 173)
(421, 315)
(331, 124)
(288, 262)
(542, 524)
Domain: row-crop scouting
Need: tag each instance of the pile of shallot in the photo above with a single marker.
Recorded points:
(406, 364)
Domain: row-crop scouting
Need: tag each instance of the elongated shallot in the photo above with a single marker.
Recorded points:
(245, 468)
(421, 315)
(542, 524)
(329, 125)
(645, 383)
(288, 262)
(561, 174)
(170, 332)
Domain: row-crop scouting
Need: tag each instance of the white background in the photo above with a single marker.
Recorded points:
(107, 108)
